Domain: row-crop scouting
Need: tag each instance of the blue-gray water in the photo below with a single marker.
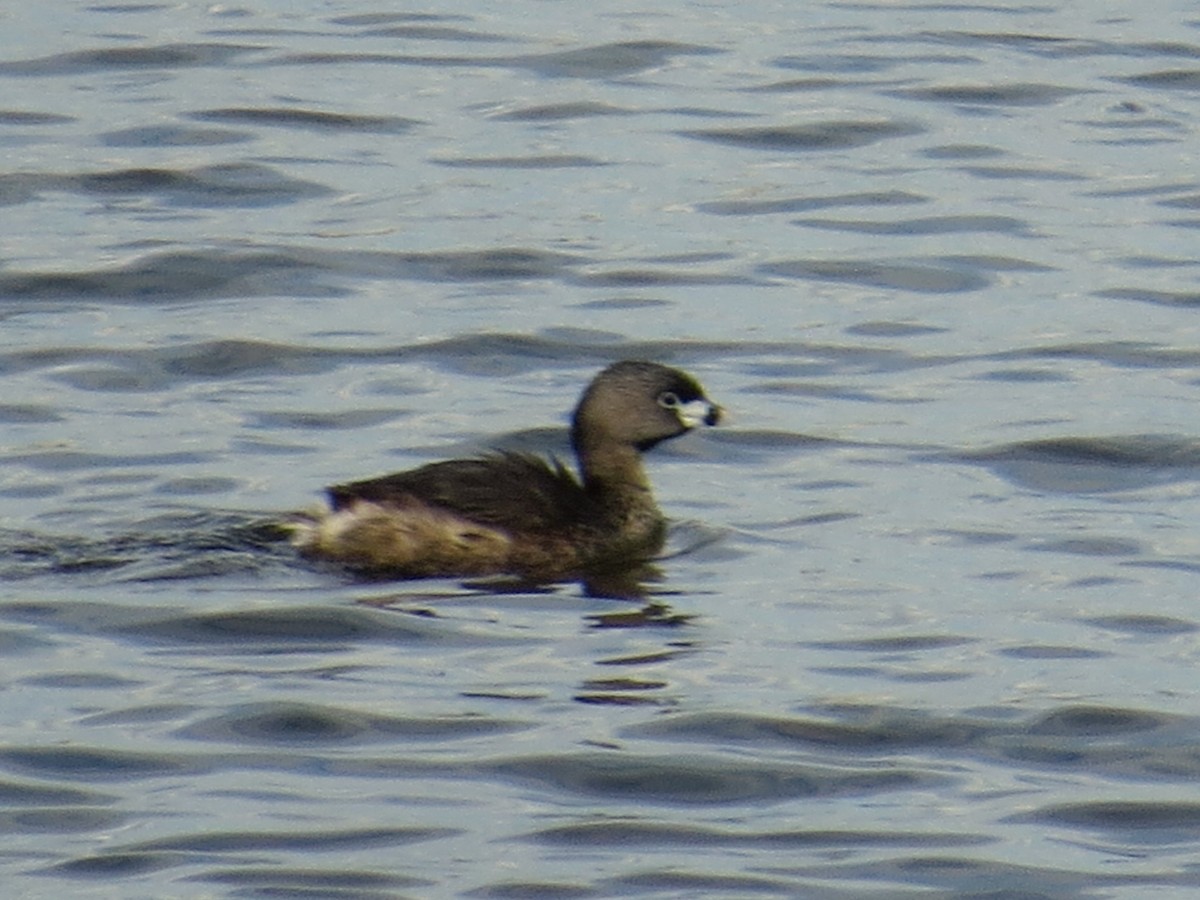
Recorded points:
(929, 625)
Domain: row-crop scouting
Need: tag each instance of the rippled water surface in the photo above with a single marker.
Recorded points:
(928, 621)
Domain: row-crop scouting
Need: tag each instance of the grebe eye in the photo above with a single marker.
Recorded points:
(668, 400)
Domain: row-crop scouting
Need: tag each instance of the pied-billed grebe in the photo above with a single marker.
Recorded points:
(517, 514)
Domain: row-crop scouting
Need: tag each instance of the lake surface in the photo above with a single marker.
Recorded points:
(928, 623)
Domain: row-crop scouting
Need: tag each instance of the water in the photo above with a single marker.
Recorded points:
(928, 623)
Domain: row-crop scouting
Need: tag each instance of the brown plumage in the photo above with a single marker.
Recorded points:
(515, 513)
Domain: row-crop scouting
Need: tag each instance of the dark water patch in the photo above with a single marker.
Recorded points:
(641, 278)
(77, 460)
(700, 780)
(299, 882)
(492, 264)
(555, 112)
(651, 658)
(174, 276)
(833, 135)
(329, 58)
(83, 681)
(622, 684)
(115, 59)
(702, 112)
(127, 8)
(1088, 546)
(1188, 201)
(841, 63)
(26, 117)
(381, 18)
(764, 440)
(276, 629)
(553, 161)
(601, 698)
(1093, 464)
(160, 368)
(115, 865)
(197, 486)
(1048, 45)
(325, 421)
(311, 841)
(889, 730)
(697, 884)
(976, 538)
(236, 359)
(925, 226)
(310, 119)
(19, 188)
(993, 263)
(609, 60)
(414, 27)
(172, 136)
(1121, 743)
(894, 329)
(798, 85)
(1167, 48)
(1167, 79)
(1176, 565)
(1129, 126)
(1098, 721)
(534, 890)
(223, 185)
(811, 361)
(1179, 299)
(306, 724)
(299, 630)
(1015, 94)
(432, 33)
(628, 691)
(115, 379)
(1122, 354)
(225, 544)
(826, 392)
(1092, 581)
(166, 853)
(485, 353)
(643, 834)
(1143, 624)
(805, 204)
(927, 677)
(1022, 173)
(26, 794)
(600, 62)
(19, 642)
(622, 303)
(1023, 376)
(920, 278)
(1052, 651)
(966, 878)
(500, 354)
(1163, 820)
(96, 764)
(963, 151)
(60, 820)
